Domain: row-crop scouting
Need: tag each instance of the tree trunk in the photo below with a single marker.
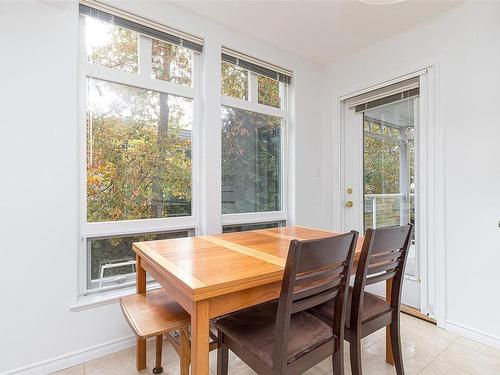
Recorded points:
(157, 201)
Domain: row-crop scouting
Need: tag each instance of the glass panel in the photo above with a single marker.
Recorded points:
(172, 63)
(251, 162)
(234, 81)
(253, 226)
(375, 127)
(113, 256)
(138, 153)
(111, 46)
(389, 168)
(269, 92)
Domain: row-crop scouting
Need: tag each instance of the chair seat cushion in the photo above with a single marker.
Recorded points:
(253, 329)
(373, 306)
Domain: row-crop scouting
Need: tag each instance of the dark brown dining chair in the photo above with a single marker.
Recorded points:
(280, 337)
(383, 257)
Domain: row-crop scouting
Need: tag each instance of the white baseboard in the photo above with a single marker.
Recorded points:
(473, 334)
(75, 358)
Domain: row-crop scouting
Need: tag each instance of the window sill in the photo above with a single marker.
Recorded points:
(105, 298)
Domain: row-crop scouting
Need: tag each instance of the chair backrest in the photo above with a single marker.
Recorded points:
(383, 257)
(316, 271)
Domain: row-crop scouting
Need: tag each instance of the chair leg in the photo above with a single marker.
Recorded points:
(185, 351)
(355, 355)
(396, 345)
(338, 361)
(222, 356)
(159, 346)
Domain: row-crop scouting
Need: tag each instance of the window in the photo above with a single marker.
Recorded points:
(138, 153)
(269, 92)
(254, 226)
(111, 259)
(234, 81)
(111, 46)
(254, 122)
(251, 161)
(172, 63)
(139, 110)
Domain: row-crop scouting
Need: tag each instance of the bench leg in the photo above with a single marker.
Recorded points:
(159, 346)
(185, 351)
(140, 359)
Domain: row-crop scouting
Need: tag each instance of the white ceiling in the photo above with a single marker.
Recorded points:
(320, 31)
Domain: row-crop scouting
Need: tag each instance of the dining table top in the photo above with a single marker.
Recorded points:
(206, 266)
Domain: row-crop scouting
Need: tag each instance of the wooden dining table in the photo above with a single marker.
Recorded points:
(210, 276)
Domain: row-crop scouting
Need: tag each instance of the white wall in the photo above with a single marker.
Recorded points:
(38, 190)
(39, 181)
(466, 44)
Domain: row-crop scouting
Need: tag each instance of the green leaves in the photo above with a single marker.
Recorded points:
(129, 160)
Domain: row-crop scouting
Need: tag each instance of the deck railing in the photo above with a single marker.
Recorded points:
(388, 209)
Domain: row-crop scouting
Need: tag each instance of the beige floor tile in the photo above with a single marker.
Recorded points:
(327, 364)
(212, 358)
(76, 370)
(433, 329)
(122, 363)
(241, 371)
(324, 367)
(438, 367)
(168, 353)
(373, 339)
(170, 368)
(236, 365)
(407, 319)
(372, 365)
(470, 360)
(414, 360)
(426, 339)
(478, 347)
(317, 370)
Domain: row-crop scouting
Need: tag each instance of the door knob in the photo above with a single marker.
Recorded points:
(348, 204)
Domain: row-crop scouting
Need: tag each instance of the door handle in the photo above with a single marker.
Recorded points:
(348, 204)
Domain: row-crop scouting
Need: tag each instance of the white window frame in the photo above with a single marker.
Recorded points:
(253, 105)
(141, 79)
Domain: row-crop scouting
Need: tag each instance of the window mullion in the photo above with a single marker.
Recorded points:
(253, 90)
(196, 173)
(145, 53)
(245, 105)
(138, 81)
(283, 92)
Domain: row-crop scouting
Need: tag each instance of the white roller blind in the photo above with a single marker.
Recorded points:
(256, 65)
(402, 89)
(108, 13)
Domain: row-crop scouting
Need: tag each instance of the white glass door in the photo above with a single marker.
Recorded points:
(380, 175)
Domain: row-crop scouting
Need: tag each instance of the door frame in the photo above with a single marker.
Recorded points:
(431, 221)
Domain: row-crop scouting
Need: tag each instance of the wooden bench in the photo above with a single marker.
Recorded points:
(154, 314)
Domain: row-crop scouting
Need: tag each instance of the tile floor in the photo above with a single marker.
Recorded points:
(428, 350)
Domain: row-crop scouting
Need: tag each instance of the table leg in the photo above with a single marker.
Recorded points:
(140, 360)
(140, 276)
(388, 345)
(199, 338)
